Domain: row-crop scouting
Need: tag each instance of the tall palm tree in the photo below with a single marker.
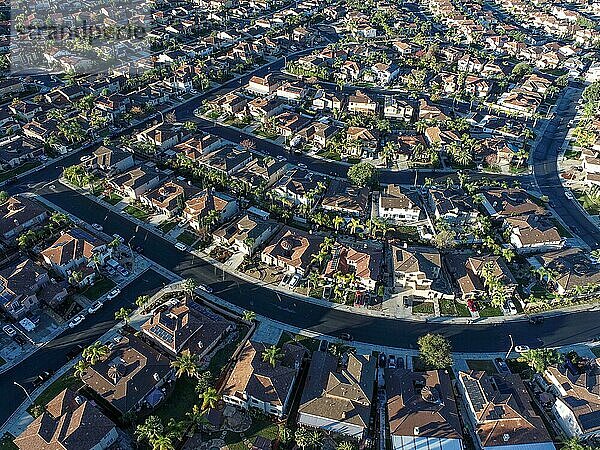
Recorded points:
(162, 442)
(249, 316)
(123, 314)
(196, 416)
(346, 445)
(302, 437)
(95, 352)
(149, 430)
(75, 277)
(353, 224)
(316, 438)
(186, 363)
(142, 301)
(271, 355)
(189, 285)
(209, 398)
(337, 221)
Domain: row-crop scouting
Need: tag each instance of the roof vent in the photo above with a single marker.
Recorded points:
(156, 376)
(505, 437)
(416, 431)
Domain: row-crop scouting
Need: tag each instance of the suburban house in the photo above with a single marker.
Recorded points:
(324, 100)
(262, 85)
(135, 182)
(577, 404)
(246, 233)
(261, 172)
(396, 206)
(197, 210)
(169, 199)
(396, 108)
(533, 233)
(255, 383)
(345, 199)
(337, 394)
(130, 376)
(468, 272)
(187, 326)
(162, 135)
(76, 250)
(452, 205)
(198, 145)
(509, 202)
(111, 159)
(500, 410)
(360, 259)
(23, 285)
(422, 410)
(69, 422)
(299, 185)
(292, 249)
(419, 269)
(361, 103)
(226, 159)
(18, 214)
(571, 267)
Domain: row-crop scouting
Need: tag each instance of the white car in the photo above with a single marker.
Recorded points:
(569, 195)
(302, 166)
(97, 226)
(112, 294)
(280, 158)
(180, 246)
(205, 288)
(76, 321)
(95, 307)
(9, 329)
(522, 348)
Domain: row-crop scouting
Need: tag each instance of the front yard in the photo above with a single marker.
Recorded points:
(136, 212)
(68, 380)
(453, 308)
(187, 237)
(98, 289)
(481, 364)
(112, 198)
(422, 308)
(490, 311)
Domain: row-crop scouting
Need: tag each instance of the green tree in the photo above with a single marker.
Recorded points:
(362, 174)
(302, 437)
(149, 430)
(435, 350)
(80, 367)
(162, 442)
(284, 433)
(592, 92)
(4, 196)
(123, 314)
(272, 354)
(189, 286)
(142, 301)
(186, 363)
(249, 316)
(196, 417)
(95, 352)
(520, 70)
(346, 445)
(75, 277)
(204, 382)
(540, 358)
(209, 398)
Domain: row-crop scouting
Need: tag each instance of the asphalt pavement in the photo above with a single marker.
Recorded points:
(54, 355)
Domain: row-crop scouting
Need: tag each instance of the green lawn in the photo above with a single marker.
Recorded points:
(113, 199)
(562, 231)
(422, 308)
(596, 351)
(481, 364)
(180, 400)
(223, 356)
(167, 225)
(6, 443)
(68, 380)
(308, 342)
(261, 426)
(2, 361)
(330, 155)
(490, 311)
(187, 237)
(453, 308)
(136, 212)
(100, 288)
(18, 170)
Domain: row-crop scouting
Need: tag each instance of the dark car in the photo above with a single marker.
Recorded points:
(346, 337)
(536, 320)
(75, 351)
(382, 360)
(41, 378)
(19, 339)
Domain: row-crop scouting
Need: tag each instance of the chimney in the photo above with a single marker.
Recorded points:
(416, 431)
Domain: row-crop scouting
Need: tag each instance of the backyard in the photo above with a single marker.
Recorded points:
(181, 400)
(308, 342)
(187, 238)
(261, 426)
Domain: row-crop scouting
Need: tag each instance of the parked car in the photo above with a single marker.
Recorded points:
(95, 306)
(76, 320)
(112, 294)
(472, 305)
(110, 271)
(19, 339)
(382, 360)
(502, 367)
(41, 378)
(346, 337)
(510, 307)
(522, 348)
(536, 320)
(123, 271)
(294, 280)
(302, 165)
(569, 195)
(392, 361)
(205, 288)
(97, 226)
(181, 246)
(10, 330)
(75, 351)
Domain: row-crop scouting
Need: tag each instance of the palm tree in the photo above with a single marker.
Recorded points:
(284, 434)
(271, 355)
(149, 430)
(196, 416)
(302, 437)
(209, 398)
(75, 277)
(316, 438)
(80, 368)
(142, 300)
(123, 314)
(353, 224)
(249, 316)
(186, 364)
(162, 442)
(314, 279)
(346, 445)
(95, 352)
(189, 285)
(337, 221)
